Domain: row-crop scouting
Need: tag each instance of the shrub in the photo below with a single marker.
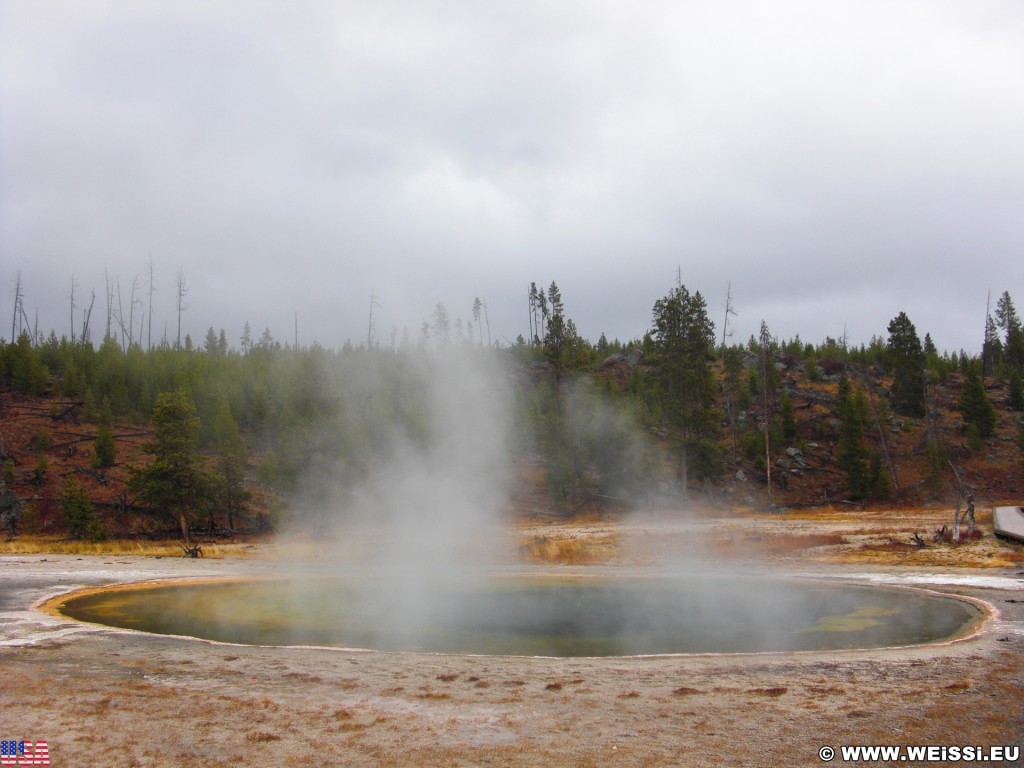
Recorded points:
(41, 441)
(104, 451)
(79, 513)
(831, 366)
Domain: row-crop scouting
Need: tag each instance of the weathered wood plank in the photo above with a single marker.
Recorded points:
(1009, 522)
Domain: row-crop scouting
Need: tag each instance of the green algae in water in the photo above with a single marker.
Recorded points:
(536, 617)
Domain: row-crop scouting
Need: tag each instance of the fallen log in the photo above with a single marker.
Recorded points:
(99, 477)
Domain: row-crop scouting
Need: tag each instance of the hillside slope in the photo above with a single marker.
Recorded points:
(43, 440)
(808, 470)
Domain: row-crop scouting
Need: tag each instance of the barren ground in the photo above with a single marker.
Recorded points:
(113, 698)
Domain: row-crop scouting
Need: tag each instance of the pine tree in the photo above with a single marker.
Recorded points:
(878, 478)
(852, 453)
(992, 348)
(907, 360)
(1020, 443)
(246, 342)
(1016, 395)
(104, 452)
(229, 483)
(1013, 340)
(79, 513)
(559, 435)
(210, 344)
(732, 372)
(975, 408)
(562, 343)
(174, 481)
(684, 340)
(929, 346)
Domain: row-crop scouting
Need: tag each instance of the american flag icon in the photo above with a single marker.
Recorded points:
(20, 753)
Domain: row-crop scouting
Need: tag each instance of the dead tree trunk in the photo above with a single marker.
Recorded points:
(968, 515)
(959, 499)
(881, 439)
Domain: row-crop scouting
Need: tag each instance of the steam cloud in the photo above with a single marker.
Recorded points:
(416, 538)
(427, 519)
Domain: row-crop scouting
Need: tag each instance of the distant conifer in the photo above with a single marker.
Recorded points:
(907, 359)
(975, 408)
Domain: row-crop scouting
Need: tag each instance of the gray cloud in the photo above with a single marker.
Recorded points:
(837, 163)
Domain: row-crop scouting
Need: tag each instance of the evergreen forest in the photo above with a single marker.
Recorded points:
(116, 438)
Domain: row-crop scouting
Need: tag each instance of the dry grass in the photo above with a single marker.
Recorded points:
(985, 552)
(686, 690)
(889, 546)
(569, 549)
(778, 545)
(430, 695)
(44, 545)
(261, 736)
(775, 691)
(864, 536)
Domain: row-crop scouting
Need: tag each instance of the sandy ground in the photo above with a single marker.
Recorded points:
(114, 698)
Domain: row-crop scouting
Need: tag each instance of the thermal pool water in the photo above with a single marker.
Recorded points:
(536, 616)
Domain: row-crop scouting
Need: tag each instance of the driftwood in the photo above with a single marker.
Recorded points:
(71, 410)
(917, 540)
(193, 551)
(73, 443)
(92, 438)
(860, 504)
(99, 477)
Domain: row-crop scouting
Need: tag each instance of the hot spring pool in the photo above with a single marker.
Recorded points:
(536, 616)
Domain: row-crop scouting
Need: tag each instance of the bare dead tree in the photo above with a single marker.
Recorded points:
(131, 311)
(968, 515)
(374, 303)
(728, 311)
(19, 311)
(985, 348)
(538, 314)
(477, 305)
(87, 315)
(881, 436)
(181, 292)
(487, 320)
(959, 498)
(531, 296)
(25, 325)
(72, 309)
(110, 302)
(119, 314)
(149, 326)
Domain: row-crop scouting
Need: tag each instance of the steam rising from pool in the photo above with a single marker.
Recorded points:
(427, 519)
(406, 554)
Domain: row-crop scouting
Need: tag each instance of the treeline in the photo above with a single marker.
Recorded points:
(674, 409)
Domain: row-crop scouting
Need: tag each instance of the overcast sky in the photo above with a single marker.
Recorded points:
(835, 162)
